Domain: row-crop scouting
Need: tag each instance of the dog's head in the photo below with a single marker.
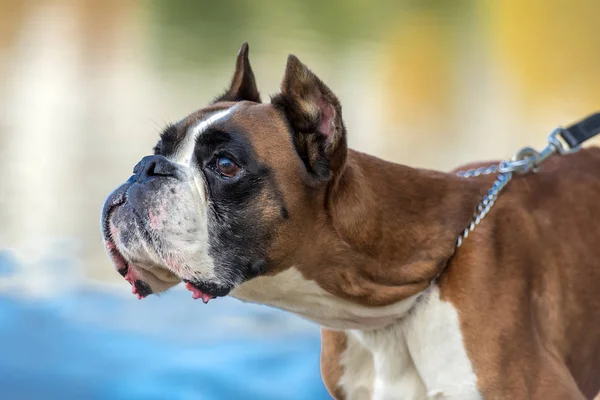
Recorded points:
(233, 191)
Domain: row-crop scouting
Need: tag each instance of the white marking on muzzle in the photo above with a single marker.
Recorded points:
(190, 258)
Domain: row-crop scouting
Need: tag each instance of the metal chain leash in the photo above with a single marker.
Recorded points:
(525, 161)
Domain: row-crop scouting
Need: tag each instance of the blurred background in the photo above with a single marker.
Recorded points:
(86, 86)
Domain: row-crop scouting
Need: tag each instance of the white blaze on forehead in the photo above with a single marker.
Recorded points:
(185, 149)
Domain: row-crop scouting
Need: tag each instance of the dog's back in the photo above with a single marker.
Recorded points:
(526, 282)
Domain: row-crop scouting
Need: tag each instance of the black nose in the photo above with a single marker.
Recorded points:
(154, 166)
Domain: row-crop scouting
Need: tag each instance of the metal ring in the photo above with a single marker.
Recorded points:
(516, 165)
(525, 153)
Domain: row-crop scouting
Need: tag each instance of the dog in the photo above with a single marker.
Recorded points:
(265, 202)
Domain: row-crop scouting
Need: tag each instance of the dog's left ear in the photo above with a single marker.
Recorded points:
(243, 84)
(315, 116)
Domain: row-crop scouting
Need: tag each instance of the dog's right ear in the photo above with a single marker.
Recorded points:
(243, 84)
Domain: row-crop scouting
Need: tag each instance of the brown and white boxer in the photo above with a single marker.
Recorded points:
(265, 202)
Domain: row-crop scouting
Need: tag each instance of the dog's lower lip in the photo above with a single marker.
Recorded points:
(206, 292)
(141, 288)
(198, 294)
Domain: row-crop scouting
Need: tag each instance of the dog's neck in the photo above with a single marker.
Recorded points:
(392, 229)
(389, 231)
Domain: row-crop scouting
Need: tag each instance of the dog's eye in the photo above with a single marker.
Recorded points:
(226, 167)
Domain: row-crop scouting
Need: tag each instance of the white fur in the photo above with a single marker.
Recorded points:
(409, 350)
(180, 222)
(359, 373)
(185, 149)
(289, 291)
(177, 220)
(419, 357)
(436, 345)
(190, 255)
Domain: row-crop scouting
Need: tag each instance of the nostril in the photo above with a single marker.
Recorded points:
(155, 165)
(164, 168)
(151, 168)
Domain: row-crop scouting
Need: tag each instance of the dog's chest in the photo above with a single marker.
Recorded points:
(420, 357)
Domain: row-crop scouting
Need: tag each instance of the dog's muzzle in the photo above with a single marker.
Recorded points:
(153, 228)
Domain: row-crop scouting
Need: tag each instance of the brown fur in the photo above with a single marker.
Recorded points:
(331, 370)
(333, 344)
(525, 284)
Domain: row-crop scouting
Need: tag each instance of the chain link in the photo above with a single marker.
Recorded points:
(488, 200)
(526, 160)
(477, 172)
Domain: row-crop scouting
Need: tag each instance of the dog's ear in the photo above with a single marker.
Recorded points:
(315, 116)
(243, 84)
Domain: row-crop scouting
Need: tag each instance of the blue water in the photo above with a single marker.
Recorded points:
(97, 344)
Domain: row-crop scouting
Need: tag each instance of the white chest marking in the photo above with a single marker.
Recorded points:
(420, 357)
(291, 292)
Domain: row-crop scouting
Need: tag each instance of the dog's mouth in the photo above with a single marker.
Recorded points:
(147, 277)
(139, 287)
(116, 199)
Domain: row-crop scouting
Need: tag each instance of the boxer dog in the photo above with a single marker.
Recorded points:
(265, 202)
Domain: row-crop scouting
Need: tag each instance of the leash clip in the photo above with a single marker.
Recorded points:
(528, 159)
